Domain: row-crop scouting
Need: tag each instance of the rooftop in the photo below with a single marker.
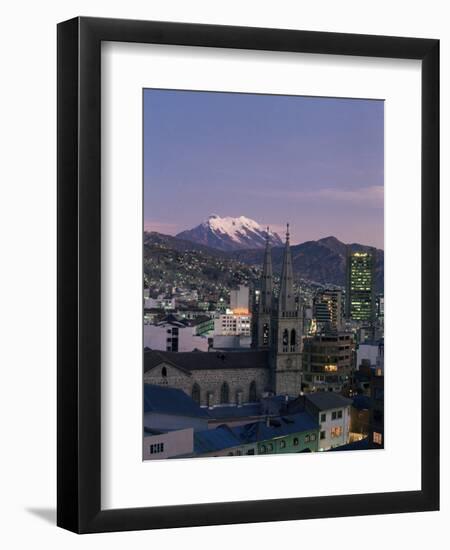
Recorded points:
(198, 360)
(165, 400)
(325, 400)
(224, 437)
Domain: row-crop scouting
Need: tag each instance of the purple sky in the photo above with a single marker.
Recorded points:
(317, 163)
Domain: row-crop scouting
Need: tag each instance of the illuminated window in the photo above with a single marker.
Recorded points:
(336, 431)
(377, 438)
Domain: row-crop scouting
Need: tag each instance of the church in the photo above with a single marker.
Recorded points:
(272, 366)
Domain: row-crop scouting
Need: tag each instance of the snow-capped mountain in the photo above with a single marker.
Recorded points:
(230, 234)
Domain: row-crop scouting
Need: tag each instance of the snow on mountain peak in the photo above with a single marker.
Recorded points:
(228, 233)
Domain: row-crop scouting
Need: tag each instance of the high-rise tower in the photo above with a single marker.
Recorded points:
(360, 291)
(286, 333)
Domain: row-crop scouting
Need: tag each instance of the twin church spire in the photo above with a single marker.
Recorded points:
(286, 300)
(277, 326)
(268, 311)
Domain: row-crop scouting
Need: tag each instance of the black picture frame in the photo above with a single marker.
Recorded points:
(79, 281)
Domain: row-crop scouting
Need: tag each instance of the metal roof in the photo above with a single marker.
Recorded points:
(202, 360)
(165, 400)
(325, 400)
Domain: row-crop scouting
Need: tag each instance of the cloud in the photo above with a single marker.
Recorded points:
(370, 196)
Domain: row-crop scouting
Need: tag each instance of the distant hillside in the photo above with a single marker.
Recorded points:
(169, 261)
(321, 261)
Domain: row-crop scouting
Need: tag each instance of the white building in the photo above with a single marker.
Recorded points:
(173, 335)
(232, 324)
(161, 302)
(332, 412)
(171, 444)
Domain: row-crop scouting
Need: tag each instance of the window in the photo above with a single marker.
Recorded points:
(210, 399)
(251, 452)
(282, 444)
(307, 438)
(295, 442)
(252, 392)
(196, 393)
(293, 340)
(164, 372)
(262, 449)
(336, 431)
(313, 437)
(323, 417)
(333, 415)
(322, 434)
(156, 448)
(339, 414)
(285, 340)
(270, 447)
(225, 393)
(377, 438)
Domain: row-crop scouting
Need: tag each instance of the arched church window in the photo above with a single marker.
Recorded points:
(196, 393)
(164, 372)
(285, 339)
(252, 392)
(225, 393)
(293, 340)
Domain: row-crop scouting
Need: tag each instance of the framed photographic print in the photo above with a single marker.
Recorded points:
(248, 256)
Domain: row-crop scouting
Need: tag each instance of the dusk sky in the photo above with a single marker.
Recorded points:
(317, 163)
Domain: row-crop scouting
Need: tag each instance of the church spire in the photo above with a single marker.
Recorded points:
(266, 279)
(286, 301)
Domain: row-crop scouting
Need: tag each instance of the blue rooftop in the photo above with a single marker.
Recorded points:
(165, 400)
(278, 427)
(209, 441)
(224, 437)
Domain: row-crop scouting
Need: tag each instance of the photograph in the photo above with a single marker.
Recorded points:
(263, 274)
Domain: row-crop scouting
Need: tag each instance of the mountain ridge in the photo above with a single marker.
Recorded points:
(228, 233)
(322, 261)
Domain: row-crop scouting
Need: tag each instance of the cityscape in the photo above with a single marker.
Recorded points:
(256, 341)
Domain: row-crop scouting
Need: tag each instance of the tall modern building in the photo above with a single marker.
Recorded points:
(327, 310)
(360, 289)
(328, 361)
